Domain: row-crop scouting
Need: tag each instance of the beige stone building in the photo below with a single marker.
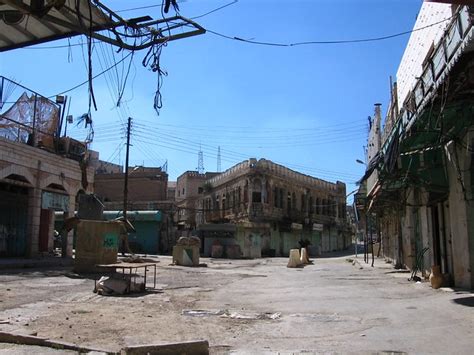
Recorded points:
(34, 183)
(40, 172)
(189, 186)
(146, 187)
(266, 209)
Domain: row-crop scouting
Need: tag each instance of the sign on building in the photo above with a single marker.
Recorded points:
(318, 227)
(57, 202)
(296, 226)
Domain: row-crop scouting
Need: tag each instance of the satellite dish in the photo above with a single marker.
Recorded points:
(11, 17)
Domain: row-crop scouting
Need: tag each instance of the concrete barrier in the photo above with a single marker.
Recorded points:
(294, 260)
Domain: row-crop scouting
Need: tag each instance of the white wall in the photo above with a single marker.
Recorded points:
(419, 45)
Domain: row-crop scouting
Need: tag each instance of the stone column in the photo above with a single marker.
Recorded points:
(68, 244)
(34, 212)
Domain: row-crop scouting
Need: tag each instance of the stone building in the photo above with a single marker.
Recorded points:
(420, 183)
(148, 192)
(146, 187)
(39, 172)
(189, 186)
(266, 209)
(171, 192)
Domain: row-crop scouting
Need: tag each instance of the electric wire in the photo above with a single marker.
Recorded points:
(229, 153)
(348, 41)
(186, 149)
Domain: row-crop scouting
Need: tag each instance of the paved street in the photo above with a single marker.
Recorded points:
(247, 306)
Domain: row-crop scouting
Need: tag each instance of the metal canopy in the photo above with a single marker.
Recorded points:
(27, 22)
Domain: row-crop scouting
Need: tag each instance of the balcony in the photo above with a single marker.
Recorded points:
(457, 40)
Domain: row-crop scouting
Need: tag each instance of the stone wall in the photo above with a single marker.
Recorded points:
(148, 184)
(40, 170)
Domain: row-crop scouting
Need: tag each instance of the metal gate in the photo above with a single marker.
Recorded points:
(13, 220)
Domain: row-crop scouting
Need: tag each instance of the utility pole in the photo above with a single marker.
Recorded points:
(125, 185)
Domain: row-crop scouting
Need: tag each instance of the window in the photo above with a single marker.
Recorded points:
(200, 190)
(256, 197)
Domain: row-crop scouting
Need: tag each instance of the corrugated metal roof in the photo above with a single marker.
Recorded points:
(23, 22)
(28, 22)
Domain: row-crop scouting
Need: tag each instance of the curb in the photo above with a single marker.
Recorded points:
(200, 347)
(22, 339)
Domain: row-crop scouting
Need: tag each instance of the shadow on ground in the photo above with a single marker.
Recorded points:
(346, 252)
(464, 301)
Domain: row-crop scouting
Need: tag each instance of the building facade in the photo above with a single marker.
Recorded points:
(266, 209)
(420, 183)
(40, 172)
(189, 186)
(145, 186)
(147, 193)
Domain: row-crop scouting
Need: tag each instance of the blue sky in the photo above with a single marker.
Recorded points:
(305, 107)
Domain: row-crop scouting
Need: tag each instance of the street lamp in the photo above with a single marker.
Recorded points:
(360, 162)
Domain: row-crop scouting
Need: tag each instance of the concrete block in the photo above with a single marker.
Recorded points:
(294, 259)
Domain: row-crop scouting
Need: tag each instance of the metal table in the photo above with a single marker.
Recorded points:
(130, 267)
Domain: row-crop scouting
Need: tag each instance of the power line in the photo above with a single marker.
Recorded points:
(360, 40)
(276, 44)
(183, 147)
(94, 77)
(217, 9)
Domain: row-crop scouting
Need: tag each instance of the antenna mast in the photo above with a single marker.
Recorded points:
(200, 167)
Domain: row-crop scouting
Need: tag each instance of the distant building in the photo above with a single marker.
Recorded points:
(146, 186)
(266, 209)
(148, 195)
(189, 186)
(171, 192)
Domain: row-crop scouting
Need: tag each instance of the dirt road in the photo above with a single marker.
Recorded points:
(246, 306)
